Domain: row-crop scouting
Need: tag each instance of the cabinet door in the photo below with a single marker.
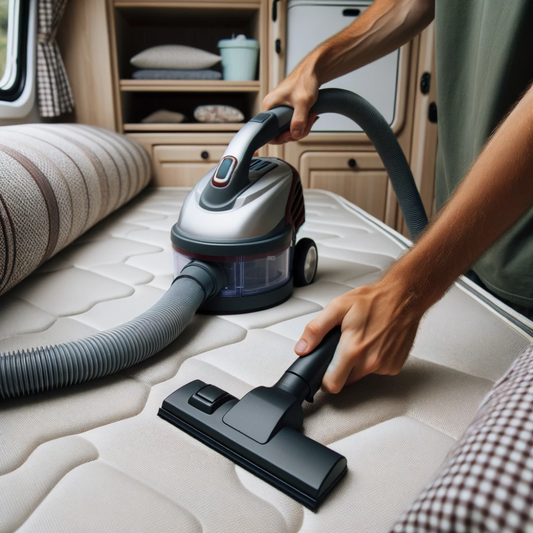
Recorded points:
(183, 166)
(310, 24)
(360, 177)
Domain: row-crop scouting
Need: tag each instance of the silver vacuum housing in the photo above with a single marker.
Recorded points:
(252, 237)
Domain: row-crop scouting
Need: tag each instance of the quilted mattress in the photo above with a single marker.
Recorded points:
(96, 457)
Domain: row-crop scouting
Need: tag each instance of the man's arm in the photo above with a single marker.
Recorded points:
(379, 322)
(382, 28)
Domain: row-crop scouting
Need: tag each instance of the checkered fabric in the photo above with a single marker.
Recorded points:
(55, 95)
(486, 483)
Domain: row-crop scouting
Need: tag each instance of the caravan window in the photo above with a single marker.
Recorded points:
(13, 41)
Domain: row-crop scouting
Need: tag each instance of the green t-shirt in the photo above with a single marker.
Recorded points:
(484, 54)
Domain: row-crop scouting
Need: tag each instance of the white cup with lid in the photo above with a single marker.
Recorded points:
(239, 58)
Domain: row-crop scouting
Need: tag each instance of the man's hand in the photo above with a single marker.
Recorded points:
(379, 322)
(382, 28)
(299, 91)
(378, 327)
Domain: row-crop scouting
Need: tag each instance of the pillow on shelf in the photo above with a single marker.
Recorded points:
(176, 74)
(174, 56)
(486, 482)
(164, 116)
(218, 114)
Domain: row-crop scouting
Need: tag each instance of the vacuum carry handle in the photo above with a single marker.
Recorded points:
(231, 176)
(304, 377)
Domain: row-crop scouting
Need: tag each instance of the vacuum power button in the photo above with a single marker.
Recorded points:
(224, 171)
(224, 168)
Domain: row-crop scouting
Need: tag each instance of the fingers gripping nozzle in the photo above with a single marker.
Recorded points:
(303, 378)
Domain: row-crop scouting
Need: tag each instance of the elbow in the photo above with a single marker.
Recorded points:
(421, 11)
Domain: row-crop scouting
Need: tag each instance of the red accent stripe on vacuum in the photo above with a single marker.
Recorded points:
(228, 259)
(295, 211)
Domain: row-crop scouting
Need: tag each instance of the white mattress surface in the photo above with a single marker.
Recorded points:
(96, 457)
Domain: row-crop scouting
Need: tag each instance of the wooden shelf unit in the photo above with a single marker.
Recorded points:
(139, 24)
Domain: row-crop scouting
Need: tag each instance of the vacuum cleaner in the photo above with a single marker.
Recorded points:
(236, 250)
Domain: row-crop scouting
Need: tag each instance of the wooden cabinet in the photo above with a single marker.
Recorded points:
(183, 165)
(360, 177)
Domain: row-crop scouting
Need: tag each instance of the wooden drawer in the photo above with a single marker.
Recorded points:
(183, 165)
(363, 183)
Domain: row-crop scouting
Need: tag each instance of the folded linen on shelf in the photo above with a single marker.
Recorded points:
(164, 116)
(176, 74)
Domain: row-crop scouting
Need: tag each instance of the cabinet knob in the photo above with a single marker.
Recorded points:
(352, 163)
(204, 155)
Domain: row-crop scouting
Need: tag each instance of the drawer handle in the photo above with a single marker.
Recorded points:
(204, 155)
(352, 163)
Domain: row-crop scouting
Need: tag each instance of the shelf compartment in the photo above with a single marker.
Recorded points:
(139, 28)
(189, 86)
(136, 105)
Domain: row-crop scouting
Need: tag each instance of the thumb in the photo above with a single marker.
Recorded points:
(316, 330)
(299, 118)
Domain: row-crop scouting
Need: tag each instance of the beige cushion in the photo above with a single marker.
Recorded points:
(174, 56)
(218, 113)
(56, 181)
(164, 116)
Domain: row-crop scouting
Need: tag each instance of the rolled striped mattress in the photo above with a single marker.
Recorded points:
(56, 182)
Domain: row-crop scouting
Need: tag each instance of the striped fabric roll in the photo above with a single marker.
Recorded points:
(57, 181)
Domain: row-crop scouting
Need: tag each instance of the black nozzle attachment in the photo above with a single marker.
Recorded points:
(293, 463)
(260, 432)
(303, 378)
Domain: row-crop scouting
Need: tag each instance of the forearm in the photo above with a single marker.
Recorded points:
(382, 28)
(497, 191)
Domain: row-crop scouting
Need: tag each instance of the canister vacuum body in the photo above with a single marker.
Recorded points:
(244, 215)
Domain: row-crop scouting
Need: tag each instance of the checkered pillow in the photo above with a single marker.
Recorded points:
(486, 482)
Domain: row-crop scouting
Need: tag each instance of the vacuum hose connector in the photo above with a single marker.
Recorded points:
(209, 277)
(46, 368)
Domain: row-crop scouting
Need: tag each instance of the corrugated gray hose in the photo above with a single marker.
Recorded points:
(41, 369)
(379, 132)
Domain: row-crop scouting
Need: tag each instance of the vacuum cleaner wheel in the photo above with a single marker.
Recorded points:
(305, 262)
